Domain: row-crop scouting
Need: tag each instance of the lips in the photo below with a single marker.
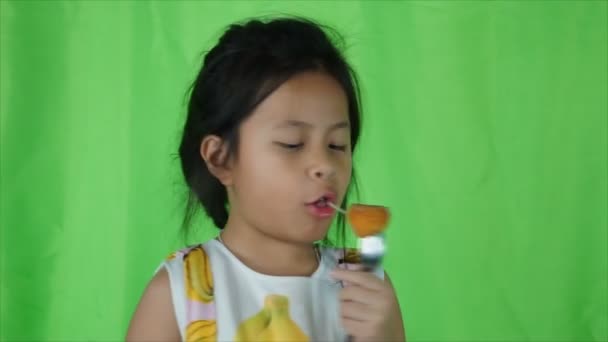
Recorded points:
(326, 197)
(319, 207)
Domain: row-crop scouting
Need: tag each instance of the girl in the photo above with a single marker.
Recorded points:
(273, 121)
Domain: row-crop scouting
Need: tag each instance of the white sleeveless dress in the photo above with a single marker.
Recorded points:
(217, 298)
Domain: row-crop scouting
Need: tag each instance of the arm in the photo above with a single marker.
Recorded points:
(154, 319)
(396, 313)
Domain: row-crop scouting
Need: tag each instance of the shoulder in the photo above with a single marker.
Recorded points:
(153, 319)
(162, 314)
(187, 268)
(192, 257)
(183, 253)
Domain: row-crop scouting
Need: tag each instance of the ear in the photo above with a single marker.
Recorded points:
(214, 152)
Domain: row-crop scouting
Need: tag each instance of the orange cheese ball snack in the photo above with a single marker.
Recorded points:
(367, 220)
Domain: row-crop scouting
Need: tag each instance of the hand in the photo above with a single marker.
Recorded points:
(369, 307)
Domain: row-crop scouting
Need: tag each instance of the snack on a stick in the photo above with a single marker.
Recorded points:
(367, 220)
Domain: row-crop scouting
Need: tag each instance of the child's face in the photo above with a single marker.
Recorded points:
(294, 149)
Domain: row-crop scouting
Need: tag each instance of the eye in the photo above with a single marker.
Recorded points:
(290, 146)
(337, 147)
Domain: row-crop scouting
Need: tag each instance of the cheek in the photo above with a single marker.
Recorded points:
(346, 168)
(265, 190)
(262, 173)
(345, 173)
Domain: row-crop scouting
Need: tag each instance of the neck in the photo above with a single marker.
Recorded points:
(267, 254)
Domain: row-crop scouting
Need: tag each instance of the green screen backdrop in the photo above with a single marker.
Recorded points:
(485, 131)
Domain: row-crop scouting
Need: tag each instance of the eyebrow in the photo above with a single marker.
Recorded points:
(304, 124)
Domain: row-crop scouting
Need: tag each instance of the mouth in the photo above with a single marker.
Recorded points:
(320, 207)
(324, 199)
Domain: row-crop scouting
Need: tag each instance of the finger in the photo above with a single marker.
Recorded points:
(363, 279)
(376, 300)
(352, 267)
(353, 327)
(358, 294)
(354, 311)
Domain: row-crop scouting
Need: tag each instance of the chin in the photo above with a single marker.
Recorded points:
(316, 232)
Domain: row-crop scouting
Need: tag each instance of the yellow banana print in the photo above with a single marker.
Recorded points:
(201, 331)
(352, 256)
(198, 277)
(251, 328)
(272, 323)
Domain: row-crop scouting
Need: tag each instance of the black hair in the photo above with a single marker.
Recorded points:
(248, 63)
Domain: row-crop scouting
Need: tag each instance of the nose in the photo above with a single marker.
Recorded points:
(321, 168)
